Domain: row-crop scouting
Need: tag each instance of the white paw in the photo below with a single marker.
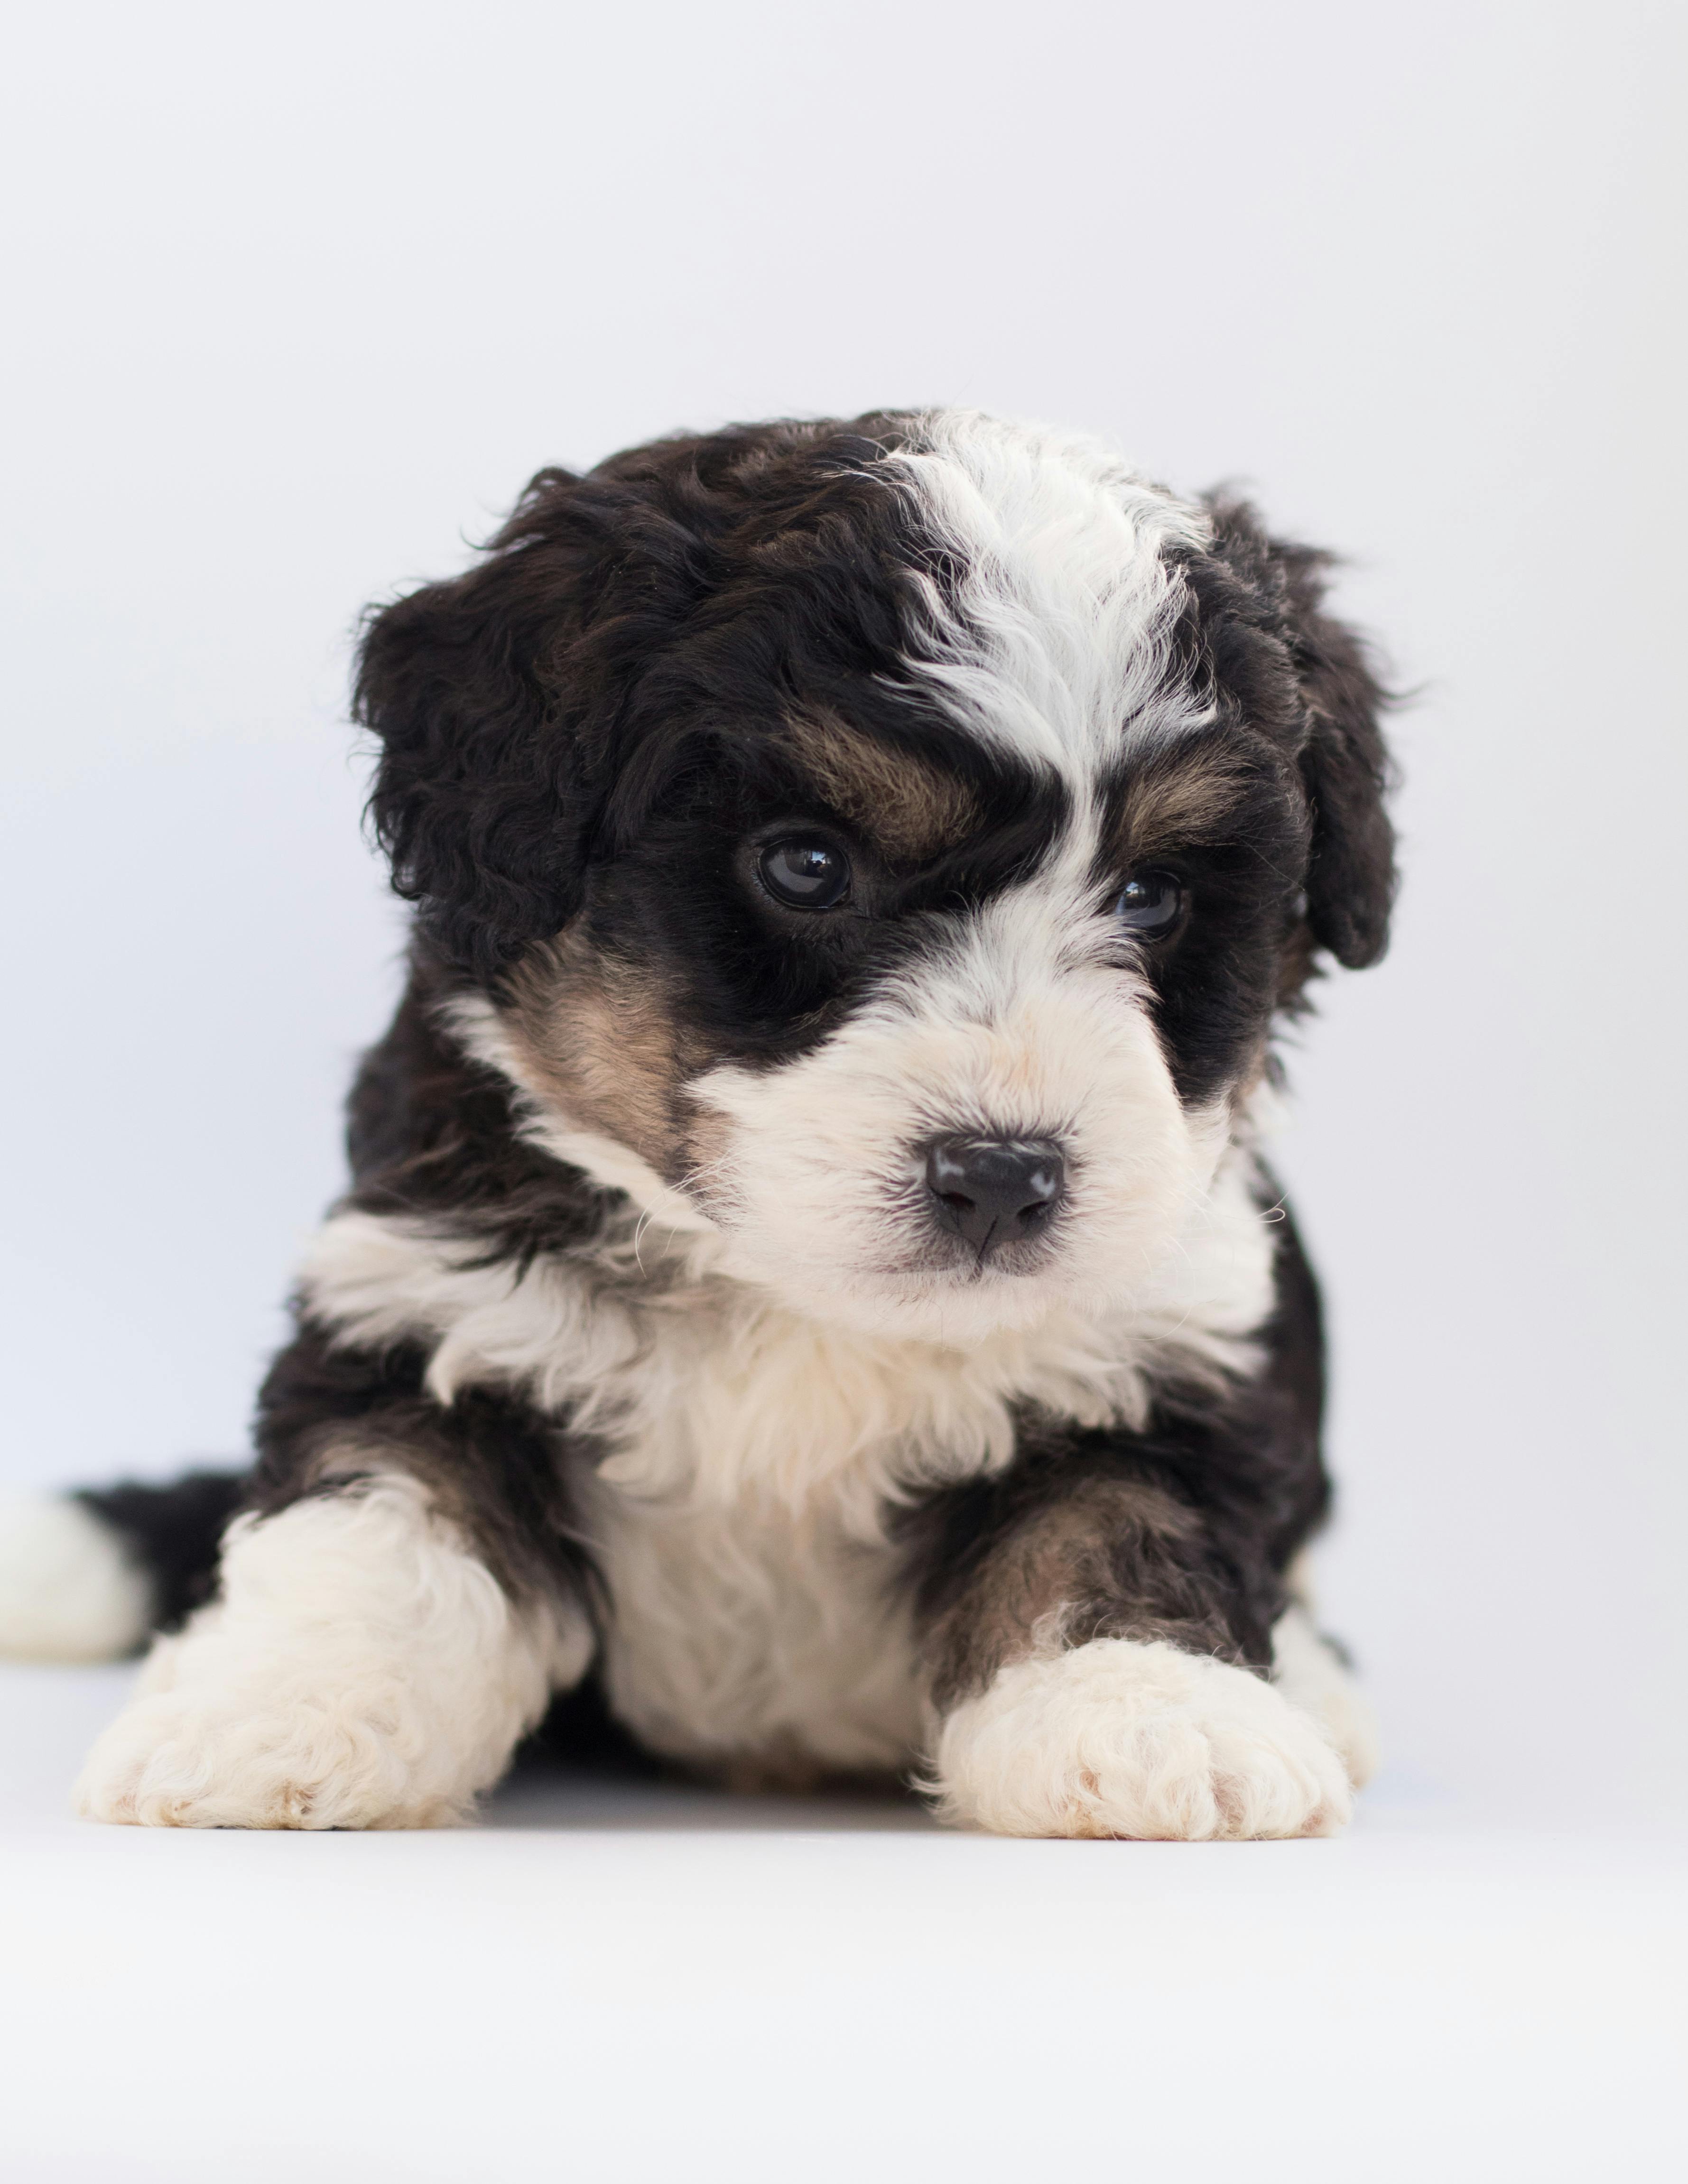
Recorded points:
(228, 1733)
(1115, 1738)
(234, 1758)
(362, 1671)
(1306, 1669)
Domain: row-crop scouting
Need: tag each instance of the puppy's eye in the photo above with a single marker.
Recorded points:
(1149, 904)
(805, 873)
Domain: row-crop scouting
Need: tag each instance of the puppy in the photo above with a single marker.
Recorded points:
(808, 1275)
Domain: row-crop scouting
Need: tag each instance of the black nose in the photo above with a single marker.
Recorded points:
(994, 1190)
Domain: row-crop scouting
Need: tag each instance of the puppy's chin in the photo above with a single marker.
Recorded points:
(948, 1309)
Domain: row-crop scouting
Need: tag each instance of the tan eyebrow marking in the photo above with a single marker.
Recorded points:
(913, 809)
(1181, 797)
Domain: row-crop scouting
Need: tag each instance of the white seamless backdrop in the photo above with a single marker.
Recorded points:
(299, 298)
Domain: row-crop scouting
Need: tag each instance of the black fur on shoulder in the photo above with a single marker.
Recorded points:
(496, 1468)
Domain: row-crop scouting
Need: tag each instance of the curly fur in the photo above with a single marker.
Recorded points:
(646, 1349)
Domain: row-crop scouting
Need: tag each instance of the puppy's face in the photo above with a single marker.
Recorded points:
(920, 823)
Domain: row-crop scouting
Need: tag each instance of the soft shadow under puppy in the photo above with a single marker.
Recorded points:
(580, 1769)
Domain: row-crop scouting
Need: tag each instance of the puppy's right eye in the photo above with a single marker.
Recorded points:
(804, 873)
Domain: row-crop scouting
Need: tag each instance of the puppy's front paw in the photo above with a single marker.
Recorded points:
(1115, 1738)
(361, 1670)
(238, 1756)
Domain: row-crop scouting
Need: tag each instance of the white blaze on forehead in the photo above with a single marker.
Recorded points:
(1056, 640)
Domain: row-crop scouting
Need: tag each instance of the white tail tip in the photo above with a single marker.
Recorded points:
(68, 1589)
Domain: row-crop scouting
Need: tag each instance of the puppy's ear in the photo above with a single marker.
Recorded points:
(479, 797)
(1344, 762)
(1345, 765)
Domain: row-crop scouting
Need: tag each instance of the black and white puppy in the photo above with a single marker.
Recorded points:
(808, 1268)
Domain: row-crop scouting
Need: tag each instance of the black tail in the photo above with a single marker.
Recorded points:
(171, 1533)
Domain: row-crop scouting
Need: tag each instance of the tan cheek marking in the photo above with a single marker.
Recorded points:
(912, 810)
(599, 1041)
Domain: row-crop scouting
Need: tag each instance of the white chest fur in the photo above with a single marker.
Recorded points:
(751, 1631)
(753, 1453)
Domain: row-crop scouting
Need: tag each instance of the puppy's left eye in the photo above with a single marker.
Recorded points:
(1149, 904)
(805, 873)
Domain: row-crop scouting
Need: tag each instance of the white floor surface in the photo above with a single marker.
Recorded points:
(630, 1982)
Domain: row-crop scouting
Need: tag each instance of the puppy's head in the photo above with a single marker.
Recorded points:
(885, 845)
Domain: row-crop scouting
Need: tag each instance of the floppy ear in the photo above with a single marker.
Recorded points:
(479, 797)
(1344, 764)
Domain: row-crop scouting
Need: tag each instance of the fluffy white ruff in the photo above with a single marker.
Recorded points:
(1308, 1673)
(361, 1670)
(67, 1590)
(707, 1388)
(1114, 1738)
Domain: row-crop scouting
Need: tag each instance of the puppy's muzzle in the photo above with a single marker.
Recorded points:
(993, 1191)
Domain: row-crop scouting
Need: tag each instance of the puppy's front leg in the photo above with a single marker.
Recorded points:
(1091, 1675)
(361, 1667)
